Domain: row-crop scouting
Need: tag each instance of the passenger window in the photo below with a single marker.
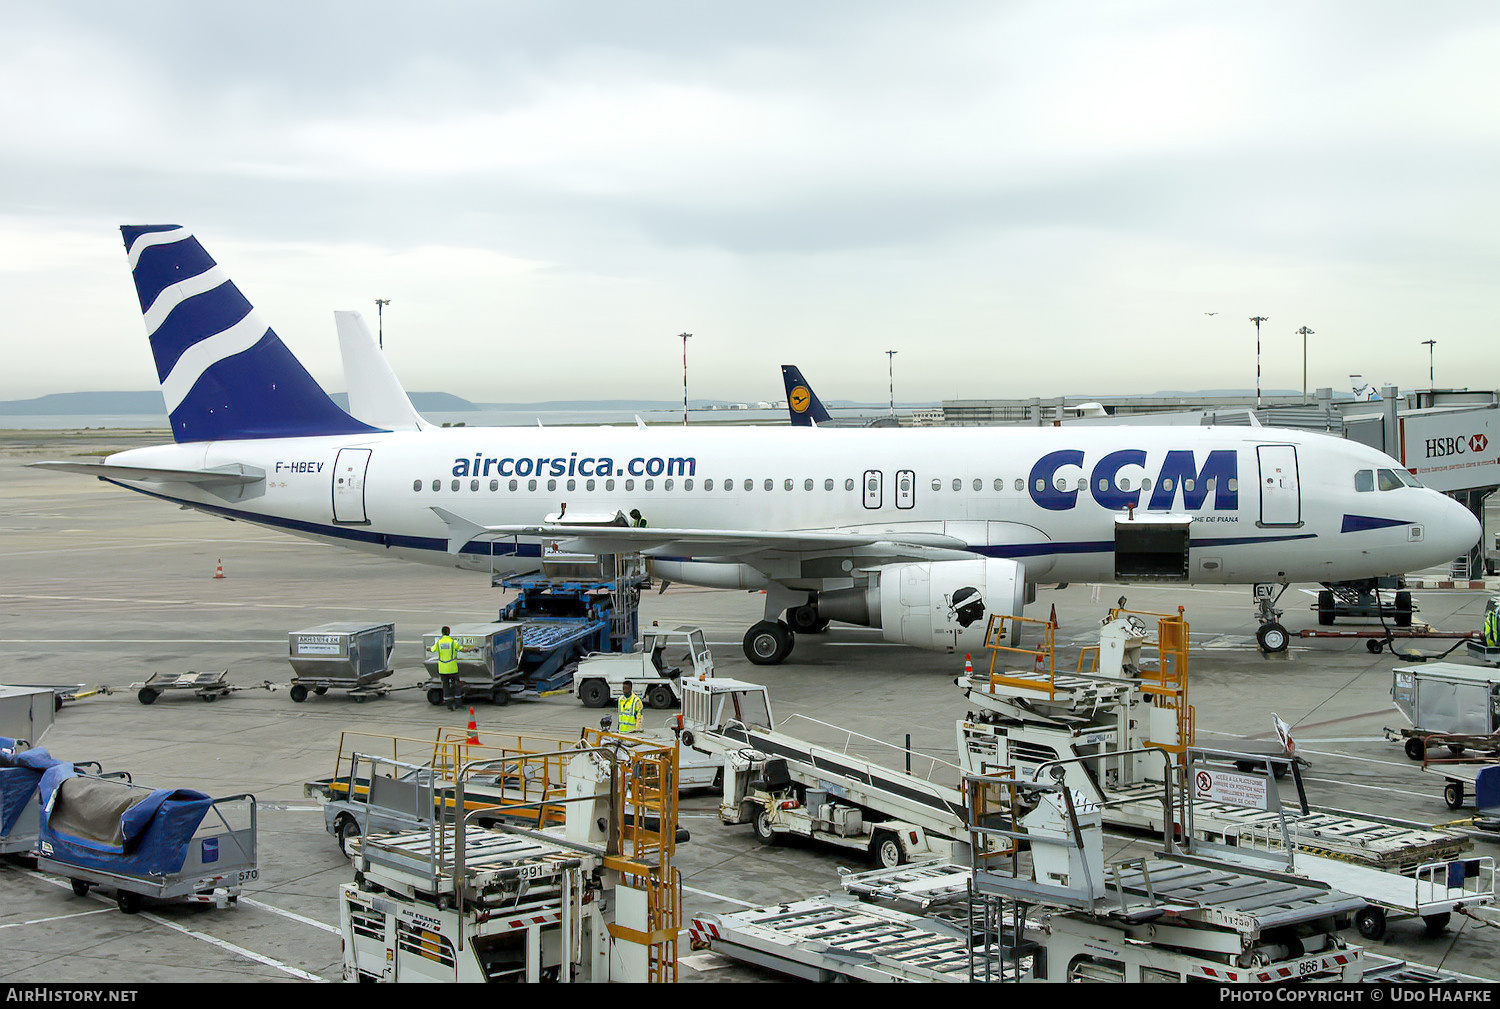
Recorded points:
(1062, 484)
(828, 484)
(729, 485)
(749, 484)
(999, 484)
(1124, 483)
(589, 485)
(1389, 480)
(958, 484)
(514, 485)
(807, 485)
(494, 485)
(848, 483)
(667, 484)
(437, 485)
(1234, 485)
(608, 485)
(455, 485)
(416, 485)
(708, 484)
(630, 485)
(473, 485)
(786, 485)
(1166, 484)
(1146, 484)
(552, 485)
(649, 484)
(531, 485)
(1187, 485)
(937, 484)
(1021, 484)
(770, 484)
(572, 485)
(978, 484)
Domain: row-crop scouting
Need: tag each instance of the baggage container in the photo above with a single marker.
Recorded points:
(347, 656)
(489, 658)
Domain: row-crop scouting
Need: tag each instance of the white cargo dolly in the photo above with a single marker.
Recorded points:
(600, 676)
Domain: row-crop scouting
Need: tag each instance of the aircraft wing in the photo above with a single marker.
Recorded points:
(657, 541)
(232, 475)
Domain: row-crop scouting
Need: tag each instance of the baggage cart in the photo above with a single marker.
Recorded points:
(1447, 704)
(347, 655)
(489, 659)
(165, 844)
(207, 687)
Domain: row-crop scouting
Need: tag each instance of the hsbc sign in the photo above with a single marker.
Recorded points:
(1452, 450)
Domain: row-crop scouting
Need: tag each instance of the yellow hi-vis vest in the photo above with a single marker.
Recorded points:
(630, 712)
(1492, 628)
(447, 653)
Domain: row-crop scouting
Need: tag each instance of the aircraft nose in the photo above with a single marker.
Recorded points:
(1455, 528)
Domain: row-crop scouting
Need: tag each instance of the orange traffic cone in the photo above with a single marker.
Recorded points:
(968, 665)
(219, 571)
(473, 739)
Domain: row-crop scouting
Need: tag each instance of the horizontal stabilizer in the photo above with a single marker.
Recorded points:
(234, 474)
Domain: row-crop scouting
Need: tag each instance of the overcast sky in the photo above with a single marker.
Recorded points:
(1032, 198)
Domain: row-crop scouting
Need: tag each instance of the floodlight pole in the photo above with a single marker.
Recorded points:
(1258, 319)
(1430, 344)
(380, 304)
(890, 357)
(685, 338)
(1304, 332)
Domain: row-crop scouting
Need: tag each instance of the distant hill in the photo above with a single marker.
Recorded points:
(424, 402)
(86, 403)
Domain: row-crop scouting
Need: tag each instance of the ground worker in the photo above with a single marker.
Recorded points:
(629, 709)
(447, 649)
(636, 519)
(1492, 624)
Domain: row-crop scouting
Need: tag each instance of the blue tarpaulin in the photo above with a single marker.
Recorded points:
(20, 772)
(106, 824)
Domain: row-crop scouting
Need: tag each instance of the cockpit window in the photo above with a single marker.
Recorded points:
(1390, 479)
(1364, 481)
(1408, 479)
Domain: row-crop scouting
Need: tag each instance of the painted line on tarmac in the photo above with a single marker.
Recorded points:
(1373, 788)
(292, 915)
(1363, 760)
(223, 944)
(56, 917)
(718, 896)
(239, 604)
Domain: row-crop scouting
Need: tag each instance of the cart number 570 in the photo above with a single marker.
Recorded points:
(249, 875)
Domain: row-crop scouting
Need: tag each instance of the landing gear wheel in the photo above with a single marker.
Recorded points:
(761, 825)
(1375, 646)
(1403, 609)
(593, 693)
(1415, 748)
(127, 902)
(1272, 638)
(660, 696)
(500, 697)
(1371, 923)
(80, 887)
(298, 693)
(209, 697)
(146, 696)
(435, 696)
(1437, 924)
(768, 644)
(1453, 794)
(346, 831)
(888, 850)
(805, 620)
(1325, 608)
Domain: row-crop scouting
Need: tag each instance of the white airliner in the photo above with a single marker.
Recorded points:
(919, 532)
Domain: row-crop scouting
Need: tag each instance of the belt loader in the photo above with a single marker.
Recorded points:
(595, 899)
(1111, 724)
(784, 785)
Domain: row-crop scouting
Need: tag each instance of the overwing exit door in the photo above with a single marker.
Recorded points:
(874, 488)
(349, 485)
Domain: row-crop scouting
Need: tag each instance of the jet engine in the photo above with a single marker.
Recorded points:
(939, 605)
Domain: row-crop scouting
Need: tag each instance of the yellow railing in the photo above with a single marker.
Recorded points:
(1043, 656)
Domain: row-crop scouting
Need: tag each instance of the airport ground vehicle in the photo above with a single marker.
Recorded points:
(1448, 704)
(595, 898)
(489, 661)
(162, 844)
(344, 655)
(601, 677)
(833, 791)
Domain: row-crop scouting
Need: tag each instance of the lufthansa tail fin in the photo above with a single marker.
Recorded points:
(801, 402)
(225, 374)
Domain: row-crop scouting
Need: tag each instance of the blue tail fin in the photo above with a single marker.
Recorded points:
(801, 402)
(224, 373)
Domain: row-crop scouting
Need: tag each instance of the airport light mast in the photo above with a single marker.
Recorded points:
(1258, 319)
(380, 304)
(685, 338)
(890, 356)
(1429, 344)
(1304, 332)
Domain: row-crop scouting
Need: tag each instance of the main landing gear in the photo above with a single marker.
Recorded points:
(769, 642)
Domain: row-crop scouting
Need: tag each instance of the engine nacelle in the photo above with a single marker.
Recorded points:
(945, 605)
